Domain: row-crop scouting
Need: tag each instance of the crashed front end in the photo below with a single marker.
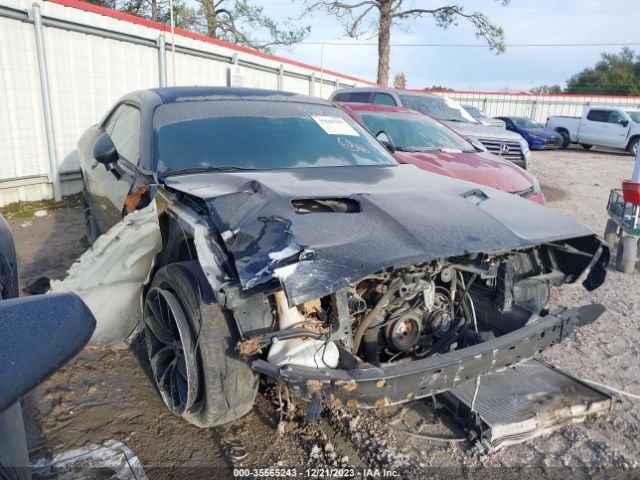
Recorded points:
(359, 295)
(412, 332)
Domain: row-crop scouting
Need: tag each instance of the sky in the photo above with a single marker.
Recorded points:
(519, 68)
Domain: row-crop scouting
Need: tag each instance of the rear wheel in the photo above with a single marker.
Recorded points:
(611, 233)
(627, 254)
(566, 140)
(191, 346)
(586, 146)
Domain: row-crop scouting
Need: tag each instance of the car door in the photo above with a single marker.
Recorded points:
(109, 191)
(594, 127)
(617, 130)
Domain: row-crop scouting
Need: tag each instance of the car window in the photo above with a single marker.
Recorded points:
(526, 123)
(210, 134)
(615, 117)
(384, 99)
(599, 115)
(358, 97)
(410, 131)
(438, 107)
(635, 115)
(473, 111)
(124, 129)
(340, 97)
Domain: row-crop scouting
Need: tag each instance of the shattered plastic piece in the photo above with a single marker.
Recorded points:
(41, 213)
(111, 460)
(110, 275)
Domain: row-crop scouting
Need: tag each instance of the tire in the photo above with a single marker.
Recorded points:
(586, 146)
(220, 386)
(633, 146)
(611, 233)
(627, 254)
(566, 140)
(91, 229)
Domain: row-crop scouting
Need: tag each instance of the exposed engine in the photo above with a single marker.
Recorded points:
(418, 311)
(422, 310)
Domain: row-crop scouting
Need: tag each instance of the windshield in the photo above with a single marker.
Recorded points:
(526, 123)
(635, 115)
(473, 111)
(410, 131)
(441, 108)
(258, 134)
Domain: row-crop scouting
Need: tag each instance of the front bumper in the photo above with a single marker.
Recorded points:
(546, 144)
(369, 386)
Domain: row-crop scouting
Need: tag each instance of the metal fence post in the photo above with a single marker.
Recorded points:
(54, 178)
(162, 60)
(312, 83)
(532, 108)
(281, 77)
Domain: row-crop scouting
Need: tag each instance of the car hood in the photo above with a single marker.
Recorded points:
(491, 122)
(401, 215)
(482, 131)
(541, 132)
(483, 168)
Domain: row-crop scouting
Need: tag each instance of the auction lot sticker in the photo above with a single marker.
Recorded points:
(334, 125)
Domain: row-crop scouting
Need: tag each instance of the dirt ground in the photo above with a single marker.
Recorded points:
(105, 394)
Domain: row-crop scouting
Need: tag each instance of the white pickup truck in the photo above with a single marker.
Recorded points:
(602, 126)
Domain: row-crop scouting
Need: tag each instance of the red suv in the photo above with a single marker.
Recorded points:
(430, 145)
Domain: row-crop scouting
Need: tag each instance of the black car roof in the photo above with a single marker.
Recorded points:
(185, 94)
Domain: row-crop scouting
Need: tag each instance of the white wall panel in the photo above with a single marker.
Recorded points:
(23, 149)
(538, 107)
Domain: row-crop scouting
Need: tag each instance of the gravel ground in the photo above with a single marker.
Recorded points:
(104, 394)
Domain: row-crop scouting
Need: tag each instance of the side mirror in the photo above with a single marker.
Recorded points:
(384, 138)
(40, 334)
(624, 123)
(104, 151)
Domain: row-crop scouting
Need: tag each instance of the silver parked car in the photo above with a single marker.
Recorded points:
(509, 145)
(481, 117)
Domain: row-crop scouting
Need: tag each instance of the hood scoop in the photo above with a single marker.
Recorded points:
(326, 205)
(475, 194)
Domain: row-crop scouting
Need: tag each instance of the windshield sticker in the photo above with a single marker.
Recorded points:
(334, 125)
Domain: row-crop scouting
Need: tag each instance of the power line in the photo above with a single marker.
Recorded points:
(473, 45)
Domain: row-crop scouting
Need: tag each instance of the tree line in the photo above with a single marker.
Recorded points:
(614, 74)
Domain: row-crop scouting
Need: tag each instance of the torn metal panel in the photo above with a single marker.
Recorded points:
(404, 216)
(521, 403)
(110, 276)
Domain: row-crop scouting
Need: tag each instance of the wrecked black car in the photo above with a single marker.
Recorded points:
(253, 232)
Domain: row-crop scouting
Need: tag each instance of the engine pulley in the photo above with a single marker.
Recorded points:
(403, 332)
